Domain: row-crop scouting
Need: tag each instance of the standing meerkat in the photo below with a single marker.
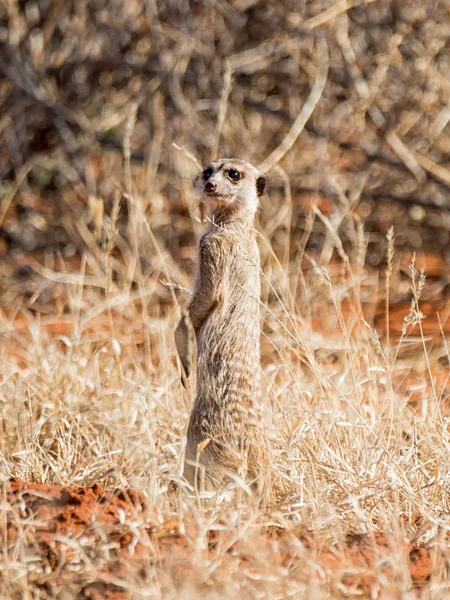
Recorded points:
(226, 435)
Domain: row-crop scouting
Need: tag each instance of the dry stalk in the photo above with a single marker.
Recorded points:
(389, 271)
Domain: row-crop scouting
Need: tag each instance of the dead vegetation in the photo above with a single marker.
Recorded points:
(106, 109)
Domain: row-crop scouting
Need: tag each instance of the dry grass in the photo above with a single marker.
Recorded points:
(98, 249)
(98, 398)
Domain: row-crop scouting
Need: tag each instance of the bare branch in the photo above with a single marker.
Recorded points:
(305, 113)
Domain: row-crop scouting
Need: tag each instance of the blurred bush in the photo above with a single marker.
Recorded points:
(86, 83)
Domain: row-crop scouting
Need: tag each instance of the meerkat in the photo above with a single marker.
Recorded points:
(226, 436)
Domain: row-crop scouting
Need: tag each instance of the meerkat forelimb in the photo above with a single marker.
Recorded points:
(186, 346)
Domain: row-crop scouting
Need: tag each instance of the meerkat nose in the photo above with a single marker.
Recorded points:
(210, 187)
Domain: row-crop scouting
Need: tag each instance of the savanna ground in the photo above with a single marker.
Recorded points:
(106, 111)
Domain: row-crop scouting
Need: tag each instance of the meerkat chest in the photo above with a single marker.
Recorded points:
(232, 257)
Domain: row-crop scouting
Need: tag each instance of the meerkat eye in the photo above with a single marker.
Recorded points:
(234, 175)
(207, 173)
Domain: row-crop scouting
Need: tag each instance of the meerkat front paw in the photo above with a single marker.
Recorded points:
(186, 344)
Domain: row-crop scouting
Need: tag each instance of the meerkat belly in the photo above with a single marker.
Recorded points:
(228, 352)
(231, 352)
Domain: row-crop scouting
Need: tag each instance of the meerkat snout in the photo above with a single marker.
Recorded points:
(231, 183)
(210, 187)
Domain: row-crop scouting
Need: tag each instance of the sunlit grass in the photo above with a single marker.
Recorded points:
(360, 429)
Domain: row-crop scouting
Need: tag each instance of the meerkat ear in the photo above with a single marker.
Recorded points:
(261, 183)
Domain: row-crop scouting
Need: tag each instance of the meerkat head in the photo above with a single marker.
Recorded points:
(231, 185)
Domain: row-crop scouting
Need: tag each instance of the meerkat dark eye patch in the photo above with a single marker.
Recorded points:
(261, 183)
(234, 174)
(207, 173)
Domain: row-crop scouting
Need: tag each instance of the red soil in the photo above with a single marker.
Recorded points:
(115, 535)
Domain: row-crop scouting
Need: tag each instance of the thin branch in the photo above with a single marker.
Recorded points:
(332, 13)
(227, 85)
(434, 168)
(399, 147)
(305, 113)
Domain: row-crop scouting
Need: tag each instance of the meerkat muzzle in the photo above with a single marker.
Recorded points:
(210, 187)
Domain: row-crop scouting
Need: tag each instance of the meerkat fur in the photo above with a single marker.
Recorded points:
(226, 437)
